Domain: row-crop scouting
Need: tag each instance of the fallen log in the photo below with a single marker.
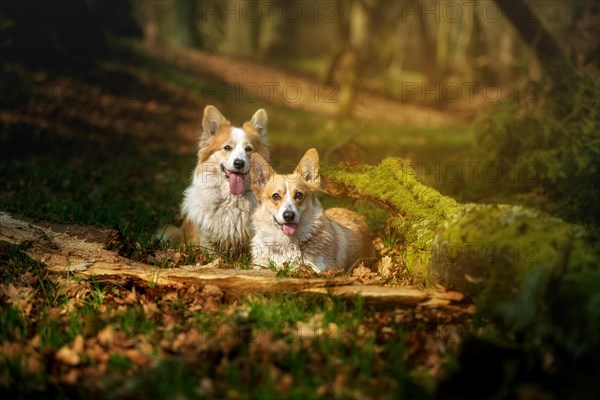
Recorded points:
(501, 255)
(78, 251)
(375, 294)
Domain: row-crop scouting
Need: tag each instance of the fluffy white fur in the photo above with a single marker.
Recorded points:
(222, 219)
(215, 217)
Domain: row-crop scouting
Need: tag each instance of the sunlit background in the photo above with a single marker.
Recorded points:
(471, 93)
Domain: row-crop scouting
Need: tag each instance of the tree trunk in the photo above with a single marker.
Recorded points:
(188, 34)
(531, 29)
(428, 53)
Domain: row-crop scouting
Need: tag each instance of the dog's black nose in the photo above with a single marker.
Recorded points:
(288, 215)
(238, 164)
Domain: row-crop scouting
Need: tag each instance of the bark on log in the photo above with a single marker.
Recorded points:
(74, 250)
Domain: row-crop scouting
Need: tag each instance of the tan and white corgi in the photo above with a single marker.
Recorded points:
(291, 227)
(217, 205)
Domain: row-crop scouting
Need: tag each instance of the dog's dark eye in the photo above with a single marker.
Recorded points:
(248, 149)
(298, 196)
(227, 148)
(276, 197)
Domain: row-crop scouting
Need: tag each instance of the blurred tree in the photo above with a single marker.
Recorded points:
(531, 30)
(285, 27)
(477, 67)
(365, 29)
(187, 32)
(547, 136)
(443, 43)
(255, 26)
(172, 22)
(583, 36)
(344, 67)
(429, 53)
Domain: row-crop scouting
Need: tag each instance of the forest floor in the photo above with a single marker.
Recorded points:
(112, 147)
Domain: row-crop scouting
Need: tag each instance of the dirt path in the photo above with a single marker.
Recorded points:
(248, 81)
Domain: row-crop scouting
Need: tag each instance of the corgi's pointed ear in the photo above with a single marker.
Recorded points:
(260, 173)
(308, 168)
(259, 121)
(212, 120)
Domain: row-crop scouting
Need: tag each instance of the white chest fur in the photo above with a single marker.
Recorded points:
(223, 219)
(310, 247)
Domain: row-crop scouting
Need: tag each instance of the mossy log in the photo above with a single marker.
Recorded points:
(493, 253)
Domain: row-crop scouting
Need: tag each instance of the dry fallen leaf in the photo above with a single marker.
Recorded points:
(137, 357)
(98, 354)
(106, 336)
(210, 305)
(144, 345)
(132, 297)
(206, 386)
(150, 309)
(71, 377)
(285, 382)
(19, 297)
(331, 273)
(384, 268)
(74, 290)
(308, 330)
(78, 344)
(67, 356)
(361, 273)
(316, 328)
(212, 290)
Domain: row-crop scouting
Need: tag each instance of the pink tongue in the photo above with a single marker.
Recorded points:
(236, 184)
(288, 229)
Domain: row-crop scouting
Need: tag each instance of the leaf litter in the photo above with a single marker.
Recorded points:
(134, 329)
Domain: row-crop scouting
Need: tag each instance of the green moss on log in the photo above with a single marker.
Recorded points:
(488, 250)
(416, 210)
(482, 250)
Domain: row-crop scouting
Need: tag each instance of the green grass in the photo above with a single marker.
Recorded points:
(15, 262)
(170, 379)
(52, 294)
(13, 324)
(119, 362)
(134, 321)
(117, 190)
(16, 372)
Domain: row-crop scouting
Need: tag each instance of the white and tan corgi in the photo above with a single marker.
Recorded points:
(291, 227)
(217, 205)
